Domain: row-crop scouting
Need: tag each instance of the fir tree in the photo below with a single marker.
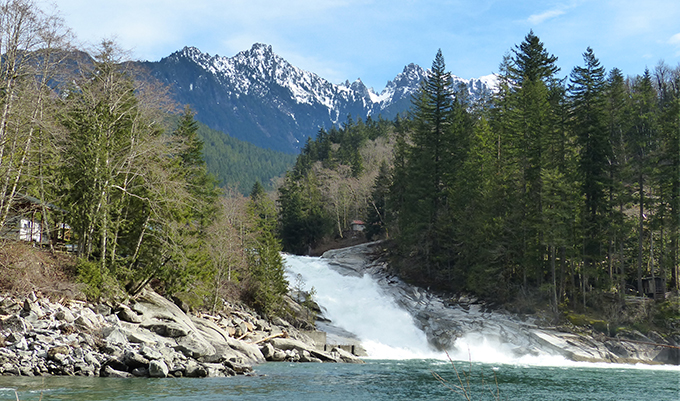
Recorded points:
(588, 119)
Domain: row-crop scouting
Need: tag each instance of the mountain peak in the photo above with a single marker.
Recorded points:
(262, 48)
(258, 96)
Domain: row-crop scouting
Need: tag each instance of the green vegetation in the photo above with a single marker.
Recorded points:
(238, 164)
(331, 183)
(545, 190)
(87, 148)
(268, 283)
(533, 193)
(555, 193)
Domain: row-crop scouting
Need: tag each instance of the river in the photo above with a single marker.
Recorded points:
(401, 365)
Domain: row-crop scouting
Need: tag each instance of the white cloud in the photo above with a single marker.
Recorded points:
(675, 40)
(540, 18)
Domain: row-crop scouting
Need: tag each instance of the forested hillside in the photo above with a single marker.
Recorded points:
(331, 182)
(92, 164)
(560, 188)
(239, 165)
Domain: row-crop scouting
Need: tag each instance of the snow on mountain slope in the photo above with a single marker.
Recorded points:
(260, 97)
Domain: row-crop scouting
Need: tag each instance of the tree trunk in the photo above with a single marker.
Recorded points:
(642, 216)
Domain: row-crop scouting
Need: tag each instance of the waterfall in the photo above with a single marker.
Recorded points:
(393, 320)
(358, 305)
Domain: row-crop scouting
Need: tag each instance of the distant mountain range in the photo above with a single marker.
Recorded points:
(259, 97)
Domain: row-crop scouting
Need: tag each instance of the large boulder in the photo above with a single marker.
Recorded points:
(162, 316)
(227, 348)
(158, 368)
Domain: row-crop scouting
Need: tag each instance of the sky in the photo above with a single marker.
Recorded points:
(373, 40)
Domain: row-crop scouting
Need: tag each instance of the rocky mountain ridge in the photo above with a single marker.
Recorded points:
(259, 97)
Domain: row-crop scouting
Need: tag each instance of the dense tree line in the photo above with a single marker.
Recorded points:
(238, 164)
(116, 175)
(563, 189)
(558, 187)
(330, 184)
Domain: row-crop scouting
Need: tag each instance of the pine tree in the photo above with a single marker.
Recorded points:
(530, 128)
(617, 112)
(641, 142)
(588, 120)
(428, 160)
(265, 264)
(377, 219)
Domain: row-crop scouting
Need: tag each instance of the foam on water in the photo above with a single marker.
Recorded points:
(359, 306)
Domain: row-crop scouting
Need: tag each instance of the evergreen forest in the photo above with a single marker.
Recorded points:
(561, 189)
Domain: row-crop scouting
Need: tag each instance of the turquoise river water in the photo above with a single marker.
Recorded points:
(401, 365)
(375, 381)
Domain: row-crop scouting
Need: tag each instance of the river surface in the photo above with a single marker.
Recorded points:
(401, 365)
(376, 380)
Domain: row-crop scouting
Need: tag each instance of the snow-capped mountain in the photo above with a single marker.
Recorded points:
(259, 97)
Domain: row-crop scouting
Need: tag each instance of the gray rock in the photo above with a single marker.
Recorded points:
(239, 368)
(22, 344)
(58, 350)
(84, 322)
(11, 369)
(158, 368)
(267, 351)
(115, 336)
(14, 337)
(111, 372)
(83, 369)
(117, 361)
(128, 315)
(194, 346)
(346, 356)
(135, 360)
(102, 309)
(195, 370)
(16, 324)
(305, 356)
(279, 356)
(150, 352)
(225, 346)
(166, 328)
(140, 372)
(65, 315)
(34, 308)
(292, 355)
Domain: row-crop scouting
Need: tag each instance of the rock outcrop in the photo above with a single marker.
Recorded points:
(448, 321)
(148, 337)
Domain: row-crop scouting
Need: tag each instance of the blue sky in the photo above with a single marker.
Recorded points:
(373, 40)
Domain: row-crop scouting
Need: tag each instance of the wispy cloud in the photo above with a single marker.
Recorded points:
(675, 40)
(536, 19)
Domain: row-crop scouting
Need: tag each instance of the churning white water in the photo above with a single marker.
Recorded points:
(359, 306)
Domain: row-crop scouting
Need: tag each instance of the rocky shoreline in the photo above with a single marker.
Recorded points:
(149, 336)
(446, 321)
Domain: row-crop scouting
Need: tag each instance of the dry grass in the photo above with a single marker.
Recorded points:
(463, 388)
(25, 268)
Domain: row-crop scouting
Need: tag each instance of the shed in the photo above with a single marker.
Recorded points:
(654, 287)
(25, 221)
(358, 225)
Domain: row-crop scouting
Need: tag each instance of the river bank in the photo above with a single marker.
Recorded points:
(149, 336)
